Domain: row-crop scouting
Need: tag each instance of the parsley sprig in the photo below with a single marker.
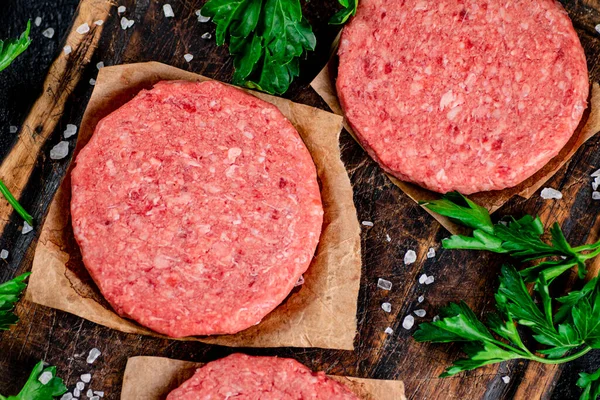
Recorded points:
(519, 238)
(266, 39)
(10, 293)
(348, 11)
(36, 389)
(590, 383)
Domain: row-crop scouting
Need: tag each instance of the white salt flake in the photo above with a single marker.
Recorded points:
(67, 49)
(389, 330)
(37, 21)
(92, 82)
(98, 22)
(95, 398)
(83, 28)
(410, 257)
(436, 318)
(168, 10)
(100, 65)
(4, 254)
(188, 57)
(13, 129)
(202, 18)
(70, 131)
(420, 313)
(86, 378)
(506, 379)
(49, 33)
(80, 385)
(421, 299)
(93, 356)
(595, 185)
(431, 252)
(45, 377)
(595, 174)
(598, 28)
(388, 238)
(76, 392)
(384, 284)
(408, 322)
(121, 9)
(89, 393)
(126, 23)
(549, 193)
(595, 195)
(206, 35)
(387, 307)
(26, 228)
(67, 396)
(422, 279)
(60, 151)
(99, 393)
(429, 280)
(367, 223)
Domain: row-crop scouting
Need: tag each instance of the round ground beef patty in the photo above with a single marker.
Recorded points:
(242, 377)
(196, 207)
(468, 95)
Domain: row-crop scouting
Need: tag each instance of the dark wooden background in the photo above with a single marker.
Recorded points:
(61, 339)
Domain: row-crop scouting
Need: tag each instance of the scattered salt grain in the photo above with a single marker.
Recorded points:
(83, 28)
(389, 330)
(596, 195)
(70, 131)
(98, 22)
(598, 28)
(168, 10)
(13, 129)
(4, 254)
(388, 238)
(100, 65)
(422, 279)
(384, 284)
(89, 393)
(202, 18)
(99, 393)
(60, 151)
(206, 35)
(45, 377)
(421, 299)
(126, 23)
(95, 398)
(37, 21)
(67, 396)
(431, 252)
(420, 313)
(549, 193)
(121, 9)
(387, 307)
(86, 378)
(367, 223)
(429, 280)
(506, 379)
(76, 392)
(188, 57)
(410, 257)
(408, 322)
(26, 228)
(595, 185)
(595, 174)
(49, 33)
(436, 318)
(93, 356)
(92, 82)
(67, 49)
(80, 385)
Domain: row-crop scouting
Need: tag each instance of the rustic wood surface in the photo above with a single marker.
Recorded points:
(63, 340)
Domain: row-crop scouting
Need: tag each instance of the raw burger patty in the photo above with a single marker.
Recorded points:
(470, 95)
(259, 378)
(196, 207)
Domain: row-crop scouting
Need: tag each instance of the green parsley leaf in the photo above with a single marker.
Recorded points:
(460, 209)
(348, 11)
(590, 383)
(34, 389)
(11, 48)
(10, 292)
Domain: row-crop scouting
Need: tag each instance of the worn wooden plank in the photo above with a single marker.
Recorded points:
(61, 338)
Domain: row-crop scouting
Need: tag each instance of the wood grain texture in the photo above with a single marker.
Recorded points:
(63, 339)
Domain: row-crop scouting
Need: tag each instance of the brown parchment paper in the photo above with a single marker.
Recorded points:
(152, 378)
(324, 85)
(320, 313)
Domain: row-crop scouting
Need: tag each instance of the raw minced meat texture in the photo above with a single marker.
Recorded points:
(196, 207)
(470, 95)
(242, 377)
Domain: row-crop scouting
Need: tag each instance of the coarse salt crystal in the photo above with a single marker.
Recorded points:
(92, 81)
(188, 57)
(429, 280)
(431, 252)
(549, 193)
(598, 28)
(595, 173)
(86, 378)
(121, 9)
(168, 11)
(70, 131)
(98, 22)
(206, 35)
(596, 195)
(126, 23)
(408, 322)
(37, 21)
(67, 49)
(387, 307)
(367, 223)
(67, 396)
(421, 299)
(49, 33)
(13, 129)
(436, 318)
(45, 377)
(99, 393)
(89, 393)
(388, 238)
(202, 18)
(4, 254)
(93, 355)
(506, 379)
(410, 257)
(76, 392)
(384, 284)
(595, 185)
(420, 313)
(80, 385)
(389, 330)
(95, 398)
(422, 279)
(26, 228)
(100, 65)
(83, 28)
